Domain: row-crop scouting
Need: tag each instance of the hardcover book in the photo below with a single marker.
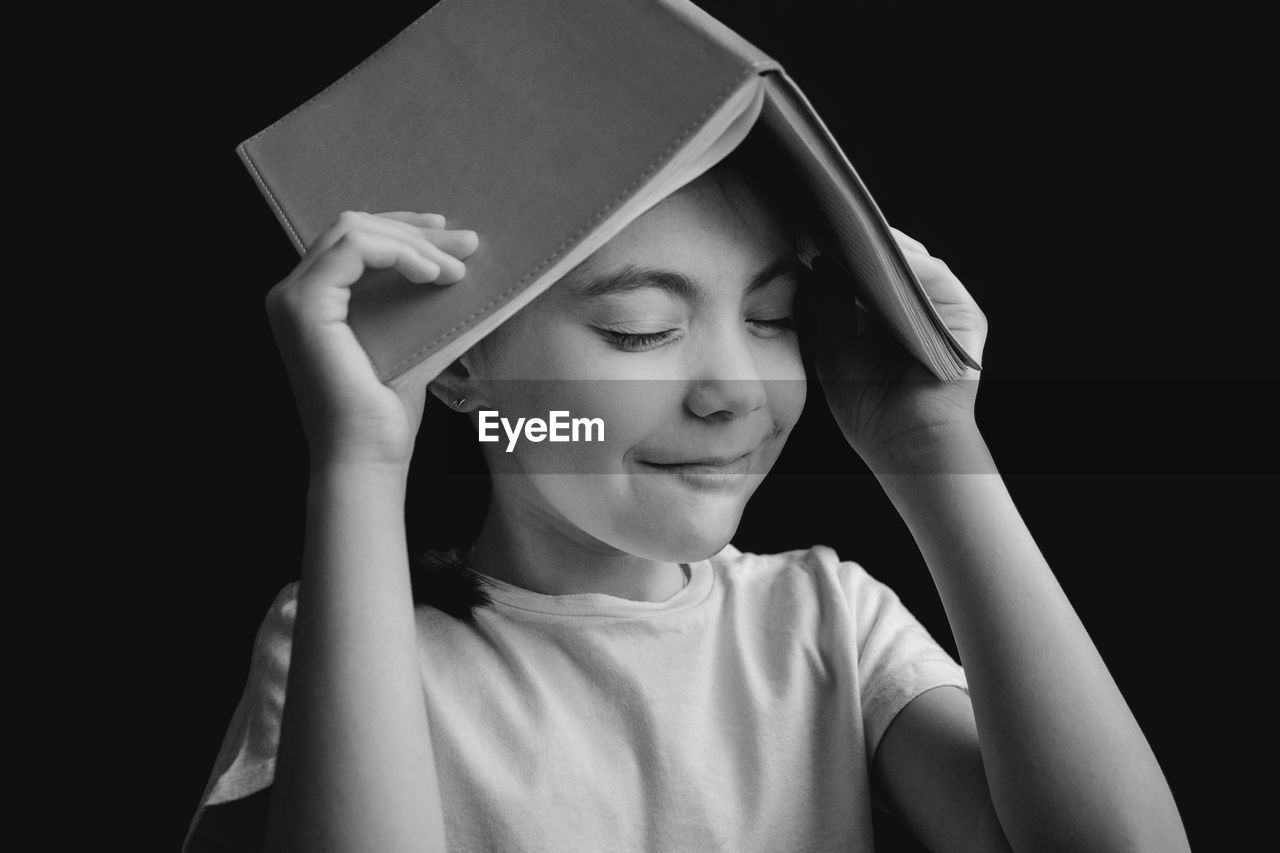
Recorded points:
(547, 126)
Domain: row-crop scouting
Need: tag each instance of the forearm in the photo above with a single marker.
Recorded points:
(1066, 763)
(355, 768)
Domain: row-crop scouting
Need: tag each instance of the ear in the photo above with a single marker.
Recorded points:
(456, 382)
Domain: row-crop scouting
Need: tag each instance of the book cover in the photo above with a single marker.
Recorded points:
(546, 126)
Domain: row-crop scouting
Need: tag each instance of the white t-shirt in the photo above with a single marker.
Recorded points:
(740, 714)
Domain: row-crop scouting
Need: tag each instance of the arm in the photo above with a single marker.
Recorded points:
(929, 767)
(354, 765)
(1048, 746)
(355, 769)
(1065, 763)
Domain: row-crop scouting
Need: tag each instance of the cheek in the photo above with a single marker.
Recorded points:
(592, 485)
(788, 386)
(596, 488)
(614, 416)
(794, 394)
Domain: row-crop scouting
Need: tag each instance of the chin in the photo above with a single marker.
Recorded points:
(654, 520)
(683, 537)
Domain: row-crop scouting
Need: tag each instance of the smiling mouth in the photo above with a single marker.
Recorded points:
(709, 462)
(709, 473)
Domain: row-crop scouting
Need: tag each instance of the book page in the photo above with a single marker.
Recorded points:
(862, 241)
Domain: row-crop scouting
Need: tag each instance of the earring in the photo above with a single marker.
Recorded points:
(456, 405)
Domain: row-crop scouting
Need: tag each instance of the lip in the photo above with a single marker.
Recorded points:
(700, 462)
(712, 474)
(705, 461)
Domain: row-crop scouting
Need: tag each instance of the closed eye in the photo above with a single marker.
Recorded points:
(636, 341)
(776, 325)
(639, 341)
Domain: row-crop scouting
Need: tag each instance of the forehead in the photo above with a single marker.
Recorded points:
(715, 224)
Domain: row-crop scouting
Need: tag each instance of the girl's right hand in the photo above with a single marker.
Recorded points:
(348, 414)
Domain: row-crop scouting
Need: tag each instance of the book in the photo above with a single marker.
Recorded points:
(547, 126)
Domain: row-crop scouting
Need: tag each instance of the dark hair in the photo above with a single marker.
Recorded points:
(762, 164)
(443, 580)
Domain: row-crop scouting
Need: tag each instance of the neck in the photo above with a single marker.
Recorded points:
(541, 558)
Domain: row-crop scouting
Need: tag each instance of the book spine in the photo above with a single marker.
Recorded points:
(245, 157)
(719, 35)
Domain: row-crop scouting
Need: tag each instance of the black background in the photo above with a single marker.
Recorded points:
(1090, 177)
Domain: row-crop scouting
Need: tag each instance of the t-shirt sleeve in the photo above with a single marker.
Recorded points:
(897, 657)
(246, 761)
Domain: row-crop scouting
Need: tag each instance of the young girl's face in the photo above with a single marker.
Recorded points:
(677, 335)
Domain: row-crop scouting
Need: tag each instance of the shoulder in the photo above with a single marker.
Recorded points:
(813, 579)
(275, 633)
(857, 606)
(817, 568)
(734, 560)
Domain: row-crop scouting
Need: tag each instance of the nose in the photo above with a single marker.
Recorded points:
(725, 375)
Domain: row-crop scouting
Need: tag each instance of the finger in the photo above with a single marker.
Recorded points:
(939, 282)
(451, 269)
(461, 243)
(458, 242)
(351, 220)
(423, 220)
(358, 250)
(379, 251)
(906, 241)
(955, 306)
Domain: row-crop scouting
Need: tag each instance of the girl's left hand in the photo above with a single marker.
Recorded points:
(888, 405)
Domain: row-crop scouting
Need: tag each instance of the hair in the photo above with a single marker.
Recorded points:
(763, 166)
(442, 578)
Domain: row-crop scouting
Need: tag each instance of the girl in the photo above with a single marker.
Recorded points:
(628, 679)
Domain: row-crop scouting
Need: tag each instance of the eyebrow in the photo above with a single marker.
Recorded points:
(633, 277)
